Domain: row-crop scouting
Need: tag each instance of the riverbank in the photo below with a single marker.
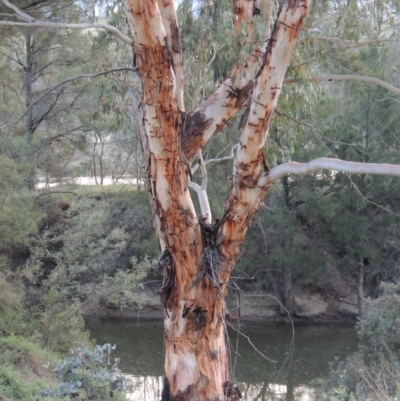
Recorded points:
(260, 306)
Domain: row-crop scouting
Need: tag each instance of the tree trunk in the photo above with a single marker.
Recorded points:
(196, 363)
(360, 290)
(277, 291)
(29, 120)
(289, 299)
(197, 257)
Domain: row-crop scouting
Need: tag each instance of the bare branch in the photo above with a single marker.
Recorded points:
(48, 91)
(327, 164)
(32, 22)
(201, 190)
(343, 45)
(20, 14)
(203, 201)
(361, 78)
(45, 24)
(221, 159)
(216, 159)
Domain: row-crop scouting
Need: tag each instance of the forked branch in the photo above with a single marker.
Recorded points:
(231, 96)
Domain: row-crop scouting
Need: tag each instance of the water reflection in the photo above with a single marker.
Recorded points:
(140, 349)
(147, 388)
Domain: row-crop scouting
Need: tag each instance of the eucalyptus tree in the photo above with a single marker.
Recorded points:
(33, 58)
(199, 252)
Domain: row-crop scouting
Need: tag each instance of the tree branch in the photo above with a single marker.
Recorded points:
(170, 22)
(344, 45)
(330, 78)
(215, 160)
(20, 14)
(203, 201)
(231, 96)
(32, 22)
(45, 24)
(245, 195)
(323, 163)
(48, 91)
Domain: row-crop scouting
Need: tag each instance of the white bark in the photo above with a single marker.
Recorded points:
(327, 164)
(203, 201)
(201, 190)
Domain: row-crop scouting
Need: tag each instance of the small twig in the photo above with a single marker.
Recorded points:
(249, 341)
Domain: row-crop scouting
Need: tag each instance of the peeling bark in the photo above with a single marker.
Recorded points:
(196, 362)
(198, 256)
(170, 22)
(245, 194)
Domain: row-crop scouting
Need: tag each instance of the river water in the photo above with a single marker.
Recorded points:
(299, 359)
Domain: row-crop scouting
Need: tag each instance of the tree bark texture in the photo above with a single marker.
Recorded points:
(197, 256)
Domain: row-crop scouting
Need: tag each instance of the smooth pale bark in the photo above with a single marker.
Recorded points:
(327, 164)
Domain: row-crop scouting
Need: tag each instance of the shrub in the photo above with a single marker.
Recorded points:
(89, 375)
(372, 373)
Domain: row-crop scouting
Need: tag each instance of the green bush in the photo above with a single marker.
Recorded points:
(89, 374)
(372, 373)
(61, 325)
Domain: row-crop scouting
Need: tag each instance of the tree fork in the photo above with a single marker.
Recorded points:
(198, 256)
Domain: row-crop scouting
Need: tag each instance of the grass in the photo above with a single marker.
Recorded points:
(24, 369)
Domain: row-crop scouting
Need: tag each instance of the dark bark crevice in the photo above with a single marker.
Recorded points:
(167, 269)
